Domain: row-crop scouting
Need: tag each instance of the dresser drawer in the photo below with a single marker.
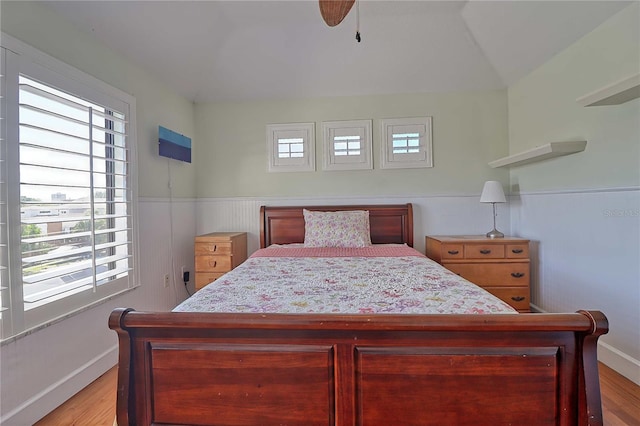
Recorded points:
(223, 248)
(213, 263)
(483, 251)
(500, 266)
(452, 251)
(517, 251)
(493, 274)
(204, 278)
(518, 297)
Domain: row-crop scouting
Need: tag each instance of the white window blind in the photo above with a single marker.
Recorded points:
(4, 254)
(347, 145)
(70, 195)
(73, 193)
(406, 143)
(290, 147)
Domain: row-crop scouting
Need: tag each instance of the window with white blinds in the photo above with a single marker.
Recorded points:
(347, 145)
(406, 143)
(69, 196)
(291, 147)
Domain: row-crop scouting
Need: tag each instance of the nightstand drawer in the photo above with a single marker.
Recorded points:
(492, 274)
(213, 263)
(217, 253)
(204, 278)
(212, 248)
(518, 297)
(483, 251)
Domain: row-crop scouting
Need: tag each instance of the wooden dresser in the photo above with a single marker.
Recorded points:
(217, 253)
(500, 266)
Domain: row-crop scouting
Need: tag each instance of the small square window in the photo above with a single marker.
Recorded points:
(406, 143)
(291, 147)
(347, 145)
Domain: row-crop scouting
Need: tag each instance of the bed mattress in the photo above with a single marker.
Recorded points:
(378, 279)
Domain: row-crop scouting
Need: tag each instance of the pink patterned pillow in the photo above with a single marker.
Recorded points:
(336, 229)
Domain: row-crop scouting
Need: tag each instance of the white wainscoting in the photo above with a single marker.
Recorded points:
(433, 215)
(167, 231)
(43, 369)
(587, 256)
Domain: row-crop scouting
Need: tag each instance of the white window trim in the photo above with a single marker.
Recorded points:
(101, 93)
(306, 163)
(390, 161)
(364, 161)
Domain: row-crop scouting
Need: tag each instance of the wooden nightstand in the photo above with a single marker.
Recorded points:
(217, 253)
(500, 266)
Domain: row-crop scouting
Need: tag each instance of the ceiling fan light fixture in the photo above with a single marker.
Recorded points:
(334, 11)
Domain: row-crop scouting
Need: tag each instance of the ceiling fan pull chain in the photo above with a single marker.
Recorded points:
(358, 20)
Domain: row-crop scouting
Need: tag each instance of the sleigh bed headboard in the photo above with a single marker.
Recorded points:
(390, 223)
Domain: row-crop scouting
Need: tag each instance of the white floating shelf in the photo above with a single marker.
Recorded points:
(614, 94)
(550, 150)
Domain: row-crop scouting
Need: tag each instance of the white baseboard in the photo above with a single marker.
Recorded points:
(619, 361)
(53, 396)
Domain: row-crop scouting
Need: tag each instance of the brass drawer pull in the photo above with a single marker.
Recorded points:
(453, 252)
(485, 251)
(517, 274)
(517, 251)
(517, 298)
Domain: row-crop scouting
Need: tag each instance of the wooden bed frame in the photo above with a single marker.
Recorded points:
(260, 369)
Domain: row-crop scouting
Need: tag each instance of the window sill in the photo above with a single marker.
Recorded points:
(61, 318)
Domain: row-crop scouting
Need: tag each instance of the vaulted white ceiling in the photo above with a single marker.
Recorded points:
(239, 50)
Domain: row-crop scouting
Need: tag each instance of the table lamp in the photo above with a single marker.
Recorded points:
(493, 193)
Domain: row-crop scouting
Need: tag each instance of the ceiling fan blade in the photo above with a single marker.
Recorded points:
(334, 11)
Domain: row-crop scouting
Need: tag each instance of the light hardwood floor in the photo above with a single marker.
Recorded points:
(95, 405)
(620, 399)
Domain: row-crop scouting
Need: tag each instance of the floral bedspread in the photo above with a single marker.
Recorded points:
(387, 279)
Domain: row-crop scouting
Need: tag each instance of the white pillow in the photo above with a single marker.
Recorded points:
(336, 229)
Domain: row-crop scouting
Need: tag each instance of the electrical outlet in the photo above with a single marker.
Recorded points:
(166, 280)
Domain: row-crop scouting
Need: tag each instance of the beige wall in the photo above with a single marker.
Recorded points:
(469, 130)
(39, 27)
(543, 108)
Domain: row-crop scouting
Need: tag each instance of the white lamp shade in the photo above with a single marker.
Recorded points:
(492, 192)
